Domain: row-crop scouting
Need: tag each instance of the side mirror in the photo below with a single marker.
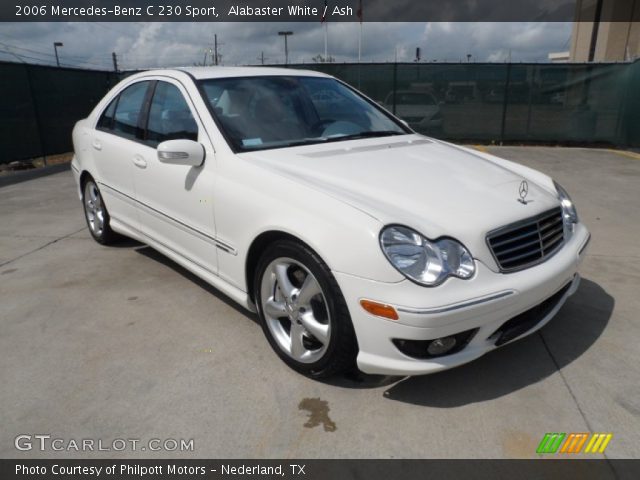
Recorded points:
(181, 152)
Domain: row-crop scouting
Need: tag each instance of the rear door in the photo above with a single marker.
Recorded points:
(115, 140)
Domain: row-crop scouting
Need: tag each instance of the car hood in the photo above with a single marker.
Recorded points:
(435, 188)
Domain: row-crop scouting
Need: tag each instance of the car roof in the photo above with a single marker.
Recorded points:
(220, 72)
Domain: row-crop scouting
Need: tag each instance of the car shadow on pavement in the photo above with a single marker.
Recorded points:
(159, 257)
(576, 327)
(126, 242)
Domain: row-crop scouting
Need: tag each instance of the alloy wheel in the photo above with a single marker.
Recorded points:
(94, 208)
(295, 310)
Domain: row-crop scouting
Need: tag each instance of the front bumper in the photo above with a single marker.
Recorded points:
(485, 302)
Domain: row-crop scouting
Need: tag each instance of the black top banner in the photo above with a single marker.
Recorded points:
(318, 10)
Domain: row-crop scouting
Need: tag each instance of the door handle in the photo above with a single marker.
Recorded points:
(138, 161)
(96, 145)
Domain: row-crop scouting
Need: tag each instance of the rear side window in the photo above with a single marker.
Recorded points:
(170, 117)
(106, 120)
(128, 111)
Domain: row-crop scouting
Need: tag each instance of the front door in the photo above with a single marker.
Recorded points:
(176, 201)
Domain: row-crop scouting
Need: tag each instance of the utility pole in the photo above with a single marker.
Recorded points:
(115, 61)
(262, 58)
(286, 47)
(55, 48)
(215, 49)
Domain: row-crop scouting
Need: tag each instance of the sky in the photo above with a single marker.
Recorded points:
(140, 45)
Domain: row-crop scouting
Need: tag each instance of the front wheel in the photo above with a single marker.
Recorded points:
(303, 313)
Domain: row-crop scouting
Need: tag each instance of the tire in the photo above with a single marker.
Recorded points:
(96, 214)
(306, 322)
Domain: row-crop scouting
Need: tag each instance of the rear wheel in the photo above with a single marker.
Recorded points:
(96, 214)
(304, 315)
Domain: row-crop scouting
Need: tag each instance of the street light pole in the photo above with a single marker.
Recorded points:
(55, 48)
(286, 47)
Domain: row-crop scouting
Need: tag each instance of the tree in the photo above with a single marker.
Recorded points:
(321, 59)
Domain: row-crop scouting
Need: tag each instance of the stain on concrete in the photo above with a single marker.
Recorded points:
(318, 414)
(132, 298)
(7, 272)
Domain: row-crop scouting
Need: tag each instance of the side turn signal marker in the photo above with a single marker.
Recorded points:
(379, 309)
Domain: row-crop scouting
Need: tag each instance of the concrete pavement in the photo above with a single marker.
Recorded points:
(120, 342)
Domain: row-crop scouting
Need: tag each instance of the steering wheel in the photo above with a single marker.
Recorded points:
(320, 126)
(341, 128)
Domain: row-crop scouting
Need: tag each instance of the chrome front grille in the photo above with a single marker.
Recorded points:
(527, 242)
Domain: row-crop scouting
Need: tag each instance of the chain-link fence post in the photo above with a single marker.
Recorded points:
(36, 114)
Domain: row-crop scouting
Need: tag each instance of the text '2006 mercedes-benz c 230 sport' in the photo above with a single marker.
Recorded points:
(356, 240)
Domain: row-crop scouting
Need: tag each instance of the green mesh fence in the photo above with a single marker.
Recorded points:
(631, 115)
(541, 103)
(536, 103)
(40, 105)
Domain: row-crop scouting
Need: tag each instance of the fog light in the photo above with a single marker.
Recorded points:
(440, 346)
(423, 349)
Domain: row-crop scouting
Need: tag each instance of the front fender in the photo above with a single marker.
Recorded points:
(250, 201)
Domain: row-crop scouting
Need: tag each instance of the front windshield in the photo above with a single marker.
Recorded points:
(258, 113)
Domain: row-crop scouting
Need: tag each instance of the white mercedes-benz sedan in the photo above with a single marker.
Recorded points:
(356, 240)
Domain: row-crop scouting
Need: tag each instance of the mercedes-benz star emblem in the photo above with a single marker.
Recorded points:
(523, 191)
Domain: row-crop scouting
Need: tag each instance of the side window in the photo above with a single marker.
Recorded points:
(106, 120)
(128, 110)
(169, 116)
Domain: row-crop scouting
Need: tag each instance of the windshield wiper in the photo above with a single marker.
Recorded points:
(303, 141)
(366, 134)
(336, 138)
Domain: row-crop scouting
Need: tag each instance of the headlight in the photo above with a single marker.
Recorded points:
(424, 261)
(569, 213)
